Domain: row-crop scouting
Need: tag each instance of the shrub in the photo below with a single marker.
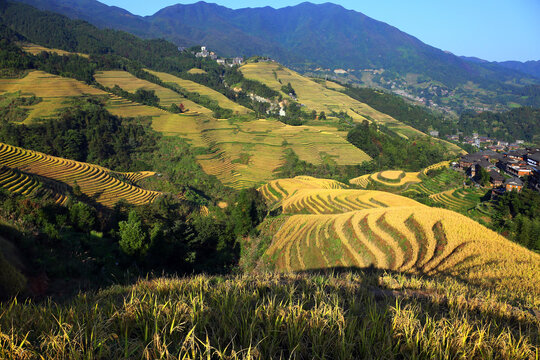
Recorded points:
(12, 281)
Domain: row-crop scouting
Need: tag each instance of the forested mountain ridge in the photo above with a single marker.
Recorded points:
(309, 37)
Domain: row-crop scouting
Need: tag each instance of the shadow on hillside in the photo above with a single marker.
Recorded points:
(386, 287)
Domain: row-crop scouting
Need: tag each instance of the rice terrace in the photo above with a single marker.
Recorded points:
(303, 182)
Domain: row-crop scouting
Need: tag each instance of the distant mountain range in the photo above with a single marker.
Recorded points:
(311, 37)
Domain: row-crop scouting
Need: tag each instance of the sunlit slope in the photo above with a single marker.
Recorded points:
(240, 154)
(279, 189)
(96, 182)
(244, 154)
(320, 98)
(21, 183)
(392, 178)
(316, 96)
(319, 201)
(192, 86)
(53, 89)
(247, 153)
(131, 84)
(417, 238)
(396, 178)
(37, 49)
(326, 226)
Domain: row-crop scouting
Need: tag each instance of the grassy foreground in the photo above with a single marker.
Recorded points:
(337, 315)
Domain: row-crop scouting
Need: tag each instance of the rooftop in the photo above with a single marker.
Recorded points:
(514, 181)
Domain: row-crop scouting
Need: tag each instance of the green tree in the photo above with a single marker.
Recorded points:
(482, 177)
(248, 211)
(82, 216)
(133, 239)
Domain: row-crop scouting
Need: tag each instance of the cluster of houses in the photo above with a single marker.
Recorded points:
(204, 53)
(488, 143)
(505, 170)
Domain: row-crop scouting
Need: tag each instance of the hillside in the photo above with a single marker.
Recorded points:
(98, 184)
(350, 41)
(359, 314)
(54, 91)
(159, 205)
(326, 227)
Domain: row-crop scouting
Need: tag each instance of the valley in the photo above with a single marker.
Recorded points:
(157, 201)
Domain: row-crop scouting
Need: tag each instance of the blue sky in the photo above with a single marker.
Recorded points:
(494, 30)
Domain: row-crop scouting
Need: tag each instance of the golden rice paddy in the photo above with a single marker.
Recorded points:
(328, 226)
(53, 89)
(192, 86)
(131, 84)
(94, 181)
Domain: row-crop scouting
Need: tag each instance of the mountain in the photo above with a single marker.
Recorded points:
(308, 37)
(528, 67)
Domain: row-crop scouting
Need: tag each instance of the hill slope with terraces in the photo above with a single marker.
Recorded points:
(20, 167)
(326, 225)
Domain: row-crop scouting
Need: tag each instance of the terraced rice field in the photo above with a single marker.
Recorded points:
(37, 49)
(131, 84)
(196, 71)
(449, 179)
(458, 199)
(280, 189)
(265, 143)
(192, 86)
(169, 124)
(94, 181)
(326, 225)
(320, 98)
(417, 239)
(392, 178)
(20, 183)
(53, 89)
(442, 164)
(135, 177)
(336, 201)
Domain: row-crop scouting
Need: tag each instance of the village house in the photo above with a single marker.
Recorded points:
(518, 170)
(495, 178)
(513, 184)
(237, 60)
(516, 154)
(466, 161)
(533, 159)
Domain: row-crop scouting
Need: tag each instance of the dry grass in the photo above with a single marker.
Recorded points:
(192, 86)
(371, 315)
(94, 181)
